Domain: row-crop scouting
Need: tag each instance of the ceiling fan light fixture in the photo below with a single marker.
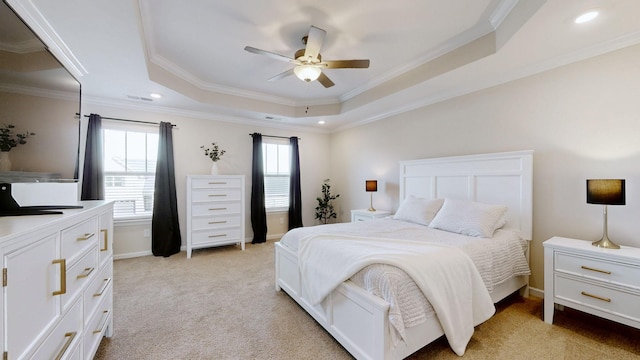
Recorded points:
(307, 73)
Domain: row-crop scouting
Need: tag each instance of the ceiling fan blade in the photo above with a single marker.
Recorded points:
(343, 64)
(325, 81)
(281, 75)
(270, 54)
(314, 42)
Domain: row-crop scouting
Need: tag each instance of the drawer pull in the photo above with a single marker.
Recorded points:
(218, 222)
(217, 183)
(105, 237)
(85, 273)
(105, 315)
(213, 209)
(86, 236)
(104, 287)
(213, 195)
(219, 235)
(70, 336)
(596, 270)
(63, 276)
(595, 296)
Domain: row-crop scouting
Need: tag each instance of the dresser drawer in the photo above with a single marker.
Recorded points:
(216, 236)
(80, 275)
(207, 195)
(218, 183)
(97, 324)
(77, 239)
(62, 341)
(597, 296)
(599, 269)
(215, 222)
(216, 209)
(98, 290)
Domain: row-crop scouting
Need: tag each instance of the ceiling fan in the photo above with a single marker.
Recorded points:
(308, 61)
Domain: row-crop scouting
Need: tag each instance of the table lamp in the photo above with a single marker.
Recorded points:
(371, 186)
(605, 192)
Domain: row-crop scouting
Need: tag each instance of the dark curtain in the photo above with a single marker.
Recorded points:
(165, 230)
(258, 211)
(295, 198)
(93, 170)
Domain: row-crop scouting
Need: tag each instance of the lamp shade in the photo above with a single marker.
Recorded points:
(371, 185)
(606, 191)
(307, 73)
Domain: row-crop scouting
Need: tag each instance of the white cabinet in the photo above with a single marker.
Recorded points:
(602, 282)
(51, 269)
(364, 215)
(215, 211)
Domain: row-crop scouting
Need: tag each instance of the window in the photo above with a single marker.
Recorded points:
(277, 167)
(129, 169)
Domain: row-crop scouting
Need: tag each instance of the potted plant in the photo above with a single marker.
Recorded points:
(8, 140)
(325, 210)
(214, 153)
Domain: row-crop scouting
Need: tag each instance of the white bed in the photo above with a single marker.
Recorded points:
(360, 320)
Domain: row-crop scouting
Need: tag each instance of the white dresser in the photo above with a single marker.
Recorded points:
(215, 211)
(602, 282)
(57, 283)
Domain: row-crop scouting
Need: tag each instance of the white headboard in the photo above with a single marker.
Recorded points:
(499, 178)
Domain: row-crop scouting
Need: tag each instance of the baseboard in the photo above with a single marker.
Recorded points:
(274, 236)
(132, 255)
(536, 292)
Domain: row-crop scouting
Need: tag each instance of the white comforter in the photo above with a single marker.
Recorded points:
(497, 259)
(446, 275)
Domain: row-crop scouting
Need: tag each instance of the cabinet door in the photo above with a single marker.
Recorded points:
(106, 236)
(35, 277)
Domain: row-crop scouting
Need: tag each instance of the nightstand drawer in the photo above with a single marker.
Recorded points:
(621, 303)
(610, 272)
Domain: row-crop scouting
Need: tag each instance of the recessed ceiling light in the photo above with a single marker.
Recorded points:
(586, 17)
(155, 96)
(321, 122)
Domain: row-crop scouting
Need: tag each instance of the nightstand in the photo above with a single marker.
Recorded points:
(601, 282)
(364, 214)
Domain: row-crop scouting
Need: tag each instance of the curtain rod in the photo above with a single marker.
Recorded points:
(128, 120)
(276, 136)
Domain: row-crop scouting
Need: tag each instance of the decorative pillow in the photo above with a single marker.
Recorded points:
(469, 218)
(418, 210)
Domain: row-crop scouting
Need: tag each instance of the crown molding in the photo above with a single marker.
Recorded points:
(619, 43)
(204, 115)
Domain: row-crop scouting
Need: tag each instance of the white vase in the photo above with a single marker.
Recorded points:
(214, 169)
(5, 161)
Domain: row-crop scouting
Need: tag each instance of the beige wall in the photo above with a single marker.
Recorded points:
(582, 121)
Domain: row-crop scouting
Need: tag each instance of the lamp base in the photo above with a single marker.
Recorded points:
(605, 243)
(371, 204)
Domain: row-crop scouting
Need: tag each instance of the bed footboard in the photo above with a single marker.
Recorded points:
(356, 319)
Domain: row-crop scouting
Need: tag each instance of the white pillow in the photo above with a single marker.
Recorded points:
(469, 218)
(418, 210)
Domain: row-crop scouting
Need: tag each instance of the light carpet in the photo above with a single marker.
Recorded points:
(222, 304)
